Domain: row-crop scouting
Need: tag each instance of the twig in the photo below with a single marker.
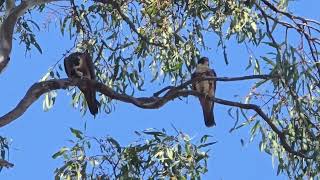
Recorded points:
(225, 79)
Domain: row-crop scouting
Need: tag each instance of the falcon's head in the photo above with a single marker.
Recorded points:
(203, 60)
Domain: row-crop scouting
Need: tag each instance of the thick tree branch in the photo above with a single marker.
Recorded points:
(6, 30)
(153, 102)
(37, 89)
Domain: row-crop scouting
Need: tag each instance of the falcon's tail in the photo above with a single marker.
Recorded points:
(207, 108)
(93, 106)
(90, 96)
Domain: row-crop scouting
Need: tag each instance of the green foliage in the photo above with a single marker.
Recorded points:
(50, 97)
(142, 42)
(155, 155)
(4, 149)
(296, 111)
(147, 41)
(27, 36)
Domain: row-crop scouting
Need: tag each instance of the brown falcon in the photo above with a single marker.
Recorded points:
(207, 87)
(79, 65)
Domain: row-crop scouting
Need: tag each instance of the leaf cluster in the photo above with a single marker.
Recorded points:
(155, 155)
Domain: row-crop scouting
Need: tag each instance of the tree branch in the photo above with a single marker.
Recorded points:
(4, 163)
(290, 16)
(154, 102)
(37, 89)
(204, 78)
(6, 30)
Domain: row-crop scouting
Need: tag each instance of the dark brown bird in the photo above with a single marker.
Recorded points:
(79, 65)
(207, 87)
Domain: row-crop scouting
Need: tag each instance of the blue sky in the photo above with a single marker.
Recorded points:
(37, 134)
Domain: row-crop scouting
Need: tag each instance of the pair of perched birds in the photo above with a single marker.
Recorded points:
(80, 65)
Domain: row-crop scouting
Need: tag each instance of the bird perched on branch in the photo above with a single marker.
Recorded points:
(207, 87)
(79, 65)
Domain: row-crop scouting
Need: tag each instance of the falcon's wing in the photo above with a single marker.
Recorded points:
(194, 75)
(68, 66)
(88, 61)
(90, 92)
(214, 74)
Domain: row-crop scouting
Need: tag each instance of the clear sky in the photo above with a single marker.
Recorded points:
(37, 134)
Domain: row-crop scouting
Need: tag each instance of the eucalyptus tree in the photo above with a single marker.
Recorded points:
(135, 42)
